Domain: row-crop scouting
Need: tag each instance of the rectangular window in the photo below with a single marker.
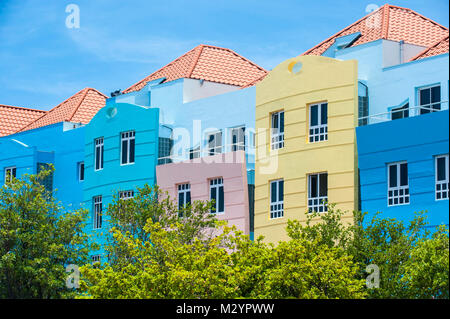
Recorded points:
(47, 182)
(277, 130)
(98, 151)
(216, 194)
(238, 139)
(277, 199)
(400, 112)
(126, 195)
(10, 173)
(97, 216)
(317, 192)
(442, 177)
(184, 195)
(215, 143)
(318, 122)
(398, 185)
(194, 152)
(96, 259)
(81, 171)
(127, 147)
(429, 99)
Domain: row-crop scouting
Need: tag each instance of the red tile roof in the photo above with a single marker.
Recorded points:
(390, 23)
(209, 63)
(12, 118)
(440, 47)
(79, 108)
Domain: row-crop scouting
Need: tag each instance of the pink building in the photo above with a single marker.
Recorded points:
(222, 177)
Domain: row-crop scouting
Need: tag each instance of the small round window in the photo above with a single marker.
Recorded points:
(295, 67)
(111, 112)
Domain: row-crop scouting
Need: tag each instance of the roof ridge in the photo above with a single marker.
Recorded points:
(54, 108)
(23, 108)
(343, 30)
(429, 48)
(86, 90)
(195, 61)
(420, 15)
(170, 63)
(385, 21)
(238, 55)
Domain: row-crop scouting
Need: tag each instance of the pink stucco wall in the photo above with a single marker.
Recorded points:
(230, 166)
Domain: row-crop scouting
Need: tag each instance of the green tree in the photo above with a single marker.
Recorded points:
(189, 254)
(37, 240)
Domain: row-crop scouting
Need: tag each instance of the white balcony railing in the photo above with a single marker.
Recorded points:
(402, 113)
(198, 153)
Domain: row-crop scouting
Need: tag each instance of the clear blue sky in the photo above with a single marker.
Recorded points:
(119, 42)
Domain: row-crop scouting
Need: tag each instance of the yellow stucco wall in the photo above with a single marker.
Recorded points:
(320, 79)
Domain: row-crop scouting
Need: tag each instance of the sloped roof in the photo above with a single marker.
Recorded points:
(440, 47)
(79, 108)
(390, 23)
(12, 118)
(209, 63)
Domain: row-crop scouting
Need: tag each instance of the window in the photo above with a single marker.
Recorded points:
(81, 171)
(317, 192)
(277, 130)
(126, 195)
(442, 178)
(276, 199)
(400, 112)
(10, 173)
(363, 104)
(97, 216)
(238, 139)
(164, 150)
(215, 143)
(216, 194)
(47, 182)
(398, 188)
(184, 195)
(318, 122)
(194, 152)
(429, 99)
(127, 147)
(96, 259)
(98, 153)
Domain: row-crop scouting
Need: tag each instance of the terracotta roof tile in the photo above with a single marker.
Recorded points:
(12, 118)
(209, 63)
(79, 108)
(440, 47)
(390, 23)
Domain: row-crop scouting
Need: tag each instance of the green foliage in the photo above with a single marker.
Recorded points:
(195, 256)
(37, 240)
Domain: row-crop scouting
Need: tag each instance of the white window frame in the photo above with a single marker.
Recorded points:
(11, 169)
(276, 135)
(127, 136)
(81, 171)
(319, 132)
(399, 193)
(97, 212)
(276, 207)
(124, 195)
(239, 132)
(215, 146)
(194, 152)
(318, 203)
(442, 187)
(216, 183)
(183, 188)
(98, 144)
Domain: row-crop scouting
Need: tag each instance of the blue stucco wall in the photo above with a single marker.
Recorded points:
(115, 177)
(49, 144)
(416, 140)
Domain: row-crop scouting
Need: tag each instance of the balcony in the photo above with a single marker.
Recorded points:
(400, 113)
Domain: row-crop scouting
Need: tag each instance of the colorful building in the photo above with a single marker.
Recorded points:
(399, 62)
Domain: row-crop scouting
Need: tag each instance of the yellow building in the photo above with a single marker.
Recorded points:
(306, 112)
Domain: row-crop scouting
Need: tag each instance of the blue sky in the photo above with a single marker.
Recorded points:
(42, 62)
